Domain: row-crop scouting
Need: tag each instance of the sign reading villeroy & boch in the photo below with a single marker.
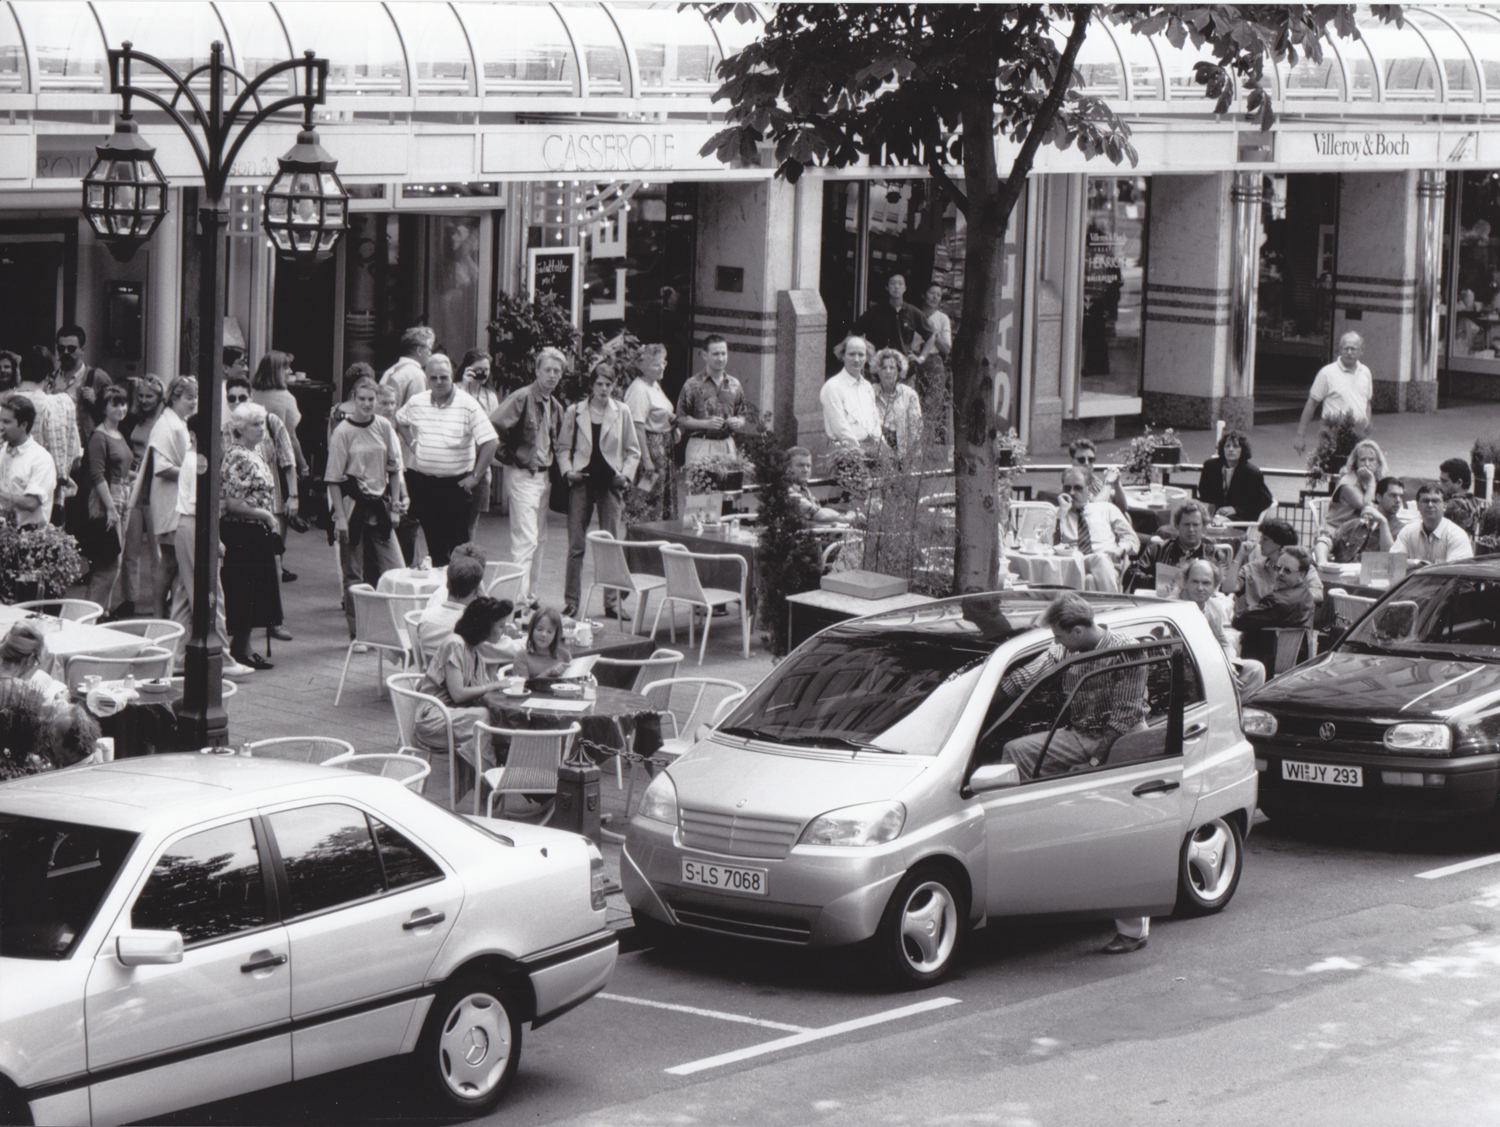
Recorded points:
(1355, 148)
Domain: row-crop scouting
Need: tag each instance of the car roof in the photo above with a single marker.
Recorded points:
(1486, 566)
(990, 617)
(172, 790)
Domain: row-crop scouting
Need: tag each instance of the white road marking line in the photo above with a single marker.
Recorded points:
(720, 1014)
(810, 1035)
(1461, 867)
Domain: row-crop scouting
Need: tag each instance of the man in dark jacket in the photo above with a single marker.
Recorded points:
(1290, 604)
(1179, 546)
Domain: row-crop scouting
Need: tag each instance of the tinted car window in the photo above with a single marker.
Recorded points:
(206, 885)
(896, 690)
(53, 876)
(404, 863)
(1452, 614)
(328, 855)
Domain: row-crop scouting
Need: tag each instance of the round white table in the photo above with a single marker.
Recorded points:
(1046, 569)
(405, 581)
(63, 638)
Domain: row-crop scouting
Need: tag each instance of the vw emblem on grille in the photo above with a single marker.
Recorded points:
(1328, 731)
(740, 805)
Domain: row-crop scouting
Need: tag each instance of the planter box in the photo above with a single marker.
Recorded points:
(863, 584)
(728, 481)
(1005, 457)
(1166, 456)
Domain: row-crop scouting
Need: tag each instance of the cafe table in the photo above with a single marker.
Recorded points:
(1151, 506)
(63, 638)
(1048, 569)
(618, 645)
(408, 581)
(720, 541)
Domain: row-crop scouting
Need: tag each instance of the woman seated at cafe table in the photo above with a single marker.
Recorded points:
(1231, 485)
(456, 676)
(1356, 491)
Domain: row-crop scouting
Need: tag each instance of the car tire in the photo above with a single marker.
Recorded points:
(922, 930)
(471, 1045)
(1208, 867)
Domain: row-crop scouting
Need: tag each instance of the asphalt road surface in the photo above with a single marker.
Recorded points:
(1354, 979)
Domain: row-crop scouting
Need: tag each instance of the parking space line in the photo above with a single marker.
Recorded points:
(810, 1035)
(695, 1011)
(1461, 867)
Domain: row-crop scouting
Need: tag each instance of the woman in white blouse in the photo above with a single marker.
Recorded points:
(900, 409)
(655, 494)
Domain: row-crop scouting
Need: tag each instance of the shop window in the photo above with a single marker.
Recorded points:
(1113, 279)
(1298, 265)
(1476, 302)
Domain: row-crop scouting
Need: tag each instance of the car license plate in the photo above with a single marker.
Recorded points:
(726, 878)
(1327, 774)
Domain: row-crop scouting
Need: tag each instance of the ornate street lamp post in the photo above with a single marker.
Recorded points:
(306, 210)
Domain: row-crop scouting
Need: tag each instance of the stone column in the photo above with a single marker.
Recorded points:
(1201, 271)
(1375, 291)
(1421, 394)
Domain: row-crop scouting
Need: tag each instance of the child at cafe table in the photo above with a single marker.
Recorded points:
(545, 655)
(1097, 529)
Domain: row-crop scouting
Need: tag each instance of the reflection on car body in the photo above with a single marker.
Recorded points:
(1401, 718)
(865, 779)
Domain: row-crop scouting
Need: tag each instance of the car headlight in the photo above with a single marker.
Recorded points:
(659, 803)
(1254, 722)
(1424, 739)
(872, 823)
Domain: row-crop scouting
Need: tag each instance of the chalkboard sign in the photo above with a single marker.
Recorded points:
(554, 270)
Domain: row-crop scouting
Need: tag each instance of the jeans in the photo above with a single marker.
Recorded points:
(583, 499)
(442, 507)
(365, 562)
(527, 492)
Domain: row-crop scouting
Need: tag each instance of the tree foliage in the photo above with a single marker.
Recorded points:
(932, 86)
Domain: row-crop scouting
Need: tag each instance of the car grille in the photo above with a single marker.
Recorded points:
(736, 835)
(1300, 729)
(778, 929)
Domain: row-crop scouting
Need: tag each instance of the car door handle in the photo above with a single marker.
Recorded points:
(1155, 786)
(423, 918)
(260, 961)
(1194, 730)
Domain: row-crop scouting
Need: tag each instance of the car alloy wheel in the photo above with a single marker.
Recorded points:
(1209, 867)
(471, 1044)
(922, 929)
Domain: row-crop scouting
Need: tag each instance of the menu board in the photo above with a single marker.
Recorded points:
(554, 270)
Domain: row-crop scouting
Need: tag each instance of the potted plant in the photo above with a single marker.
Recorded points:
(520, 330)
(1168, 449)
(1138, 458)
(717, 474)
(1486, 451)
(1010, 451)
(1336, 441)
(1487, 534)
(37, 563)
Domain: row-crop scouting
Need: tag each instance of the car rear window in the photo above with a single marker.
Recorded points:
(1456, 615)
(898, 691)
(53, 877)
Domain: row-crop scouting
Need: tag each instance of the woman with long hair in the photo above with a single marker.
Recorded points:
(597, 452)
(1231, 483)
(456, 676)
(108, 460)
(1355, 491)
(655, 494)
(248, 529)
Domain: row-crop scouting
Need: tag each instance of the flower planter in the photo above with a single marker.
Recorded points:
(727, 481)
(1166, 456)
(1005, 457)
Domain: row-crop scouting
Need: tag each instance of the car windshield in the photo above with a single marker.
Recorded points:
(53, 876)
(1457, 615)
(897, 691)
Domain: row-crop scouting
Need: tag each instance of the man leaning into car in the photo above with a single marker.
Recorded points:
(1103, 709)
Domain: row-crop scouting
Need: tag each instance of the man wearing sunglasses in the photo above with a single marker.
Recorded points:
(1101, 487)
(81, 383)
(1290, 604)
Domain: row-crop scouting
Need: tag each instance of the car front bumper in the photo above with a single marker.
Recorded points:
(1450, 787)
(817, 896)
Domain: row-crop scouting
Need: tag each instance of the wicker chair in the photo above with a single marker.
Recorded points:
(158, 631)
(71, 610)
(530, 765)
(411, 771)
(152, 662)
(301, 749)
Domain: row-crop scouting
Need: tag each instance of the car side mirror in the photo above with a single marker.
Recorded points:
(149, 948)
(995, 776)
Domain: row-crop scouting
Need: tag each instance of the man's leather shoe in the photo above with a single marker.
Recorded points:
(1123, 944)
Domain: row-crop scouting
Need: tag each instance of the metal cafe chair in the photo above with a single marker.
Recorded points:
(152, 662)
(410, 770)
(531, 763)
(612, 572)
(301, 749)
(158, 631)
(376, 626)
(71, 610)
(405, 701)
(661, 664)
(683, 586)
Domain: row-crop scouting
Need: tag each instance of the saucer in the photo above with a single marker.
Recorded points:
(515, 691)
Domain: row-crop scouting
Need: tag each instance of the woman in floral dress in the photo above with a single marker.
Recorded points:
(252, 595)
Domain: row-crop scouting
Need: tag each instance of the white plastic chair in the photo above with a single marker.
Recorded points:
(662, 664)
(413, 621)
(70, 610)
(683, 586)
(689, 703)
(301, 749)
(502, 580)
(530, 765)
(158, 631)
(377, 626)
(612, 572)
(405, 700)
(411, 771)
(152, 662)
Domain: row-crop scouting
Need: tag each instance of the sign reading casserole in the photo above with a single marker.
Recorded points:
(622, 149)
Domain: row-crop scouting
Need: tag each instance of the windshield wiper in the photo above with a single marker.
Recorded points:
(748, 733)
(806, 741)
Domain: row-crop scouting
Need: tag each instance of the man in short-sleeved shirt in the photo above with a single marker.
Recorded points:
(452, 443)
(56, 426)
(711, 406)
(408, 375)
(27, 474)
(1434, 539)
(1343, 388)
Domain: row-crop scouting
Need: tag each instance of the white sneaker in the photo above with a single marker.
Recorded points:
(236, 669)
(361, 648)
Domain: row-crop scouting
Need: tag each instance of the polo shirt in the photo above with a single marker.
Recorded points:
(1446, 544)
(447, 437)
(1342, 392)
(27, 469)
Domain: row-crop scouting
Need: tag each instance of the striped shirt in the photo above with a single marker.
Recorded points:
(56, 430)
(1108, 702)
(444, 439)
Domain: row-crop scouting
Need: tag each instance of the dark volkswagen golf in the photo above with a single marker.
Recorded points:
(1399, 719)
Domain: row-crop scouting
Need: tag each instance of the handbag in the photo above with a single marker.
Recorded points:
(558, 499)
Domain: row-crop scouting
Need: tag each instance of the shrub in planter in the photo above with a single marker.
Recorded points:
(1486, 450)
(522, 328)
(1336, 441)
(37, 563)
(1150, 449)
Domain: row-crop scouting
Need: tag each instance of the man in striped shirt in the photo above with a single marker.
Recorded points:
(452, 443)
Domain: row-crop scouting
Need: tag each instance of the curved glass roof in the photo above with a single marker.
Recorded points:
(401, 48)
(1442, 55)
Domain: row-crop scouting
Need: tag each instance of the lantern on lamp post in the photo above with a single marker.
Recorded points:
(124, 193)
(306, 207)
